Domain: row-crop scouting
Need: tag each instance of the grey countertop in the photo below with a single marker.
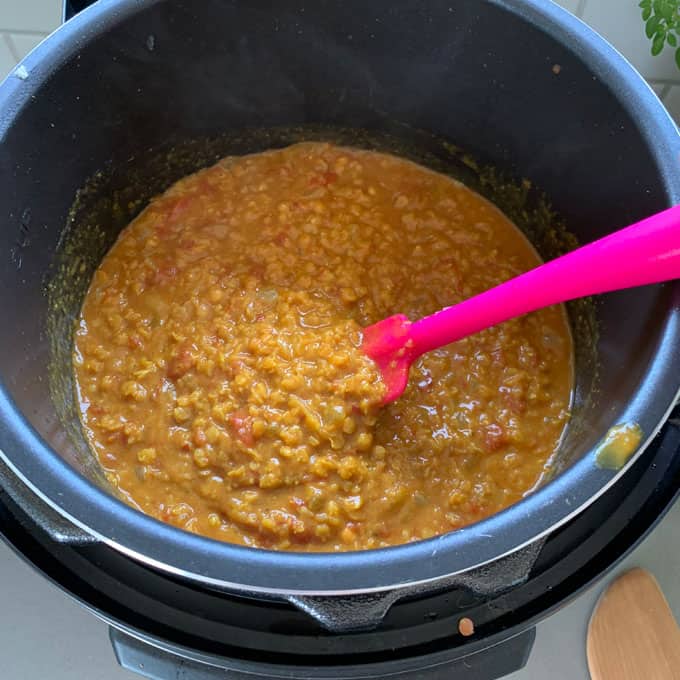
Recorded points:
(46, 636)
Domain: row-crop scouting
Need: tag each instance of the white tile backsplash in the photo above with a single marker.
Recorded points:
(41, 16)
(22, 43)
(571, 5)
(659, 89)
(619, 21)
(7, 60)
(672, 101)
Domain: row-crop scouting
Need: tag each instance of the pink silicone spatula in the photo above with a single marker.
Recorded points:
(646, 252)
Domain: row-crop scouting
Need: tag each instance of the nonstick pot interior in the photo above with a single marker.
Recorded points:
(128, 97)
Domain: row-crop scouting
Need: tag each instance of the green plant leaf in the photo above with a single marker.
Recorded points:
(651, 26)
(667, 11)
(657, 44)
(662, 25)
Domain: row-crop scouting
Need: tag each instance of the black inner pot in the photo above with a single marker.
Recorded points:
(128, 97)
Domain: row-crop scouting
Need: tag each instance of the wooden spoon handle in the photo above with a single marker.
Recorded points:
(633, 634)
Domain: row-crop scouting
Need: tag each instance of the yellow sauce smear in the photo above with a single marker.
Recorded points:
(618, 446)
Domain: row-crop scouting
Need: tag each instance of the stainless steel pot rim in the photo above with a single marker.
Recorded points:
(236, 568)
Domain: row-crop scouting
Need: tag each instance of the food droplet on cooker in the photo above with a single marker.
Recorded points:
(466, 627)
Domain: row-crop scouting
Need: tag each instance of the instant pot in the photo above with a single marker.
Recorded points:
(128, 96)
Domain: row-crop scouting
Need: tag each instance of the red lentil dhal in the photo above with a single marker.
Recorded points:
(219, 373)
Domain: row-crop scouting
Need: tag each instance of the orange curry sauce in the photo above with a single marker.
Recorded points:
(218, 366)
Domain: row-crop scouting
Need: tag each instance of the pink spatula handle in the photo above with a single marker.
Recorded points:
(646, 252)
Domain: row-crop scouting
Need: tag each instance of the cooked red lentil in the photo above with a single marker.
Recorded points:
(219, 372)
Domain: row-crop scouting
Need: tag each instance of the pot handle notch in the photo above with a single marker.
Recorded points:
(38, 512)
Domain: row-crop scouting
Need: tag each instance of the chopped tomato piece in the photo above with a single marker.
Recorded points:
(242, 424)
